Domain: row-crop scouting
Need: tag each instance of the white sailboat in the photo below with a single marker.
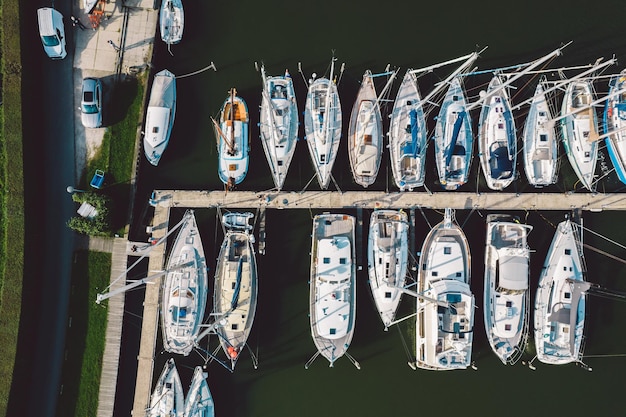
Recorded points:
(497, 140)
(322, 125)
(199, 401)
(365, 131)
(614, 121)
(185, 288)
(560, 301)
(171, 21)
(332, 296)
(236, 285)
(387, 256)
(279, 124)
(579, 126)
(445, 303)
(167, 399)
(408, 135)
(453, 138)
(159, 116)
(540, 141)
(232, 133)
(506, 290)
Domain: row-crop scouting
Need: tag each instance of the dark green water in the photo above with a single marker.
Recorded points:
(369, 36)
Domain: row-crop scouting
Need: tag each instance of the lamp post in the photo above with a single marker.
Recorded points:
(73, 190)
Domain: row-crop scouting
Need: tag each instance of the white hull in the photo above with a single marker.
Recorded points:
(445, 307)
(540, 142)
(580, 130)
(279, 124)
(497, 143)
(322, 126)
(332, 296)
(615, 121)
(233, 136)
(235, 296)
(171, 21)
(365, 134)
(159, 116)
(387, 256)
(559, 305)
(453, 138)
(506, 290)
(167, 399)
(408, 136)
(185, 290)
(199, 401)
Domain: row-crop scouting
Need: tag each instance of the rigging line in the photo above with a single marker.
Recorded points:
(601, 252)
(425, 218)
(603, 237)
(608, 355)
(211, 66)
(407, 351)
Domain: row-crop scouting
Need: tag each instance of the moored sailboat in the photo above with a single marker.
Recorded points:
(614, 121)
(159, 116)
(279, 124)
(185, 288)
(497, 141)
(171, 21)
(167, 399)
(236, 285)
(408, 136)
(199, 401)
(579, 126)
(506, 290)
(540, 141)
(387, 256)
(560, 301)
(232, 133)
(445, 303)
(322, 125)
(332, 296)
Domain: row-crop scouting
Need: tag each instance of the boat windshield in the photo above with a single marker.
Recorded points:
(90, 108)
(50, 40)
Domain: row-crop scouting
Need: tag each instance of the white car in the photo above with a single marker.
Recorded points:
(91, 103)
(52, 32)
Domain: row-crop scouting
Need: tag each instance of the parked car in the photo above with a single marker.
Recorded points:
(91, 103)
(52, 32)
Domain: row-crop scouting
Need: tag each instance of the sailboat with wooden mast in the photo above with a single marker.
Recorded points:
(279, 124)
(232, 134)
(322, 125)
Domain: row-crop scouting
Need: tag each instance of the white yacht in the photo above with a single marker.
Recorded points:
(614, 121)
(506, 295)
(387, 256)
(332, 297)
(445, 303)
(560, 300)
(185, 288)
(167, 399)
(199, 401)
(159, 116)
(235, 296)
(171, 21)
(279, 124)
(322, 125)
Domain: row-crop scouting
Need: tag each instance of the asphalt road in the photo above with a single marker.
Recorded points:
(49, 168)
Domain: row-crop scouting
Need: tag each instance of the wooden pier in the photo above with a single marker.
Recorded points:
(378, 200)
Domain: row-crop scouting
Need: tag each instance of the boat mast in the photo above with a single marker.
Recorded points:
(325, 126)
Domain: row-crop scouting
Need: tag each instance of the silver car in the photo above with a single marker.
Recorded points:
(91, 103)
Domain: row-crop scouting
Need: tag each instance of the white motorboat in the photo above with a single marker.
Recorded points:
(365, 131)
(453, 138)
(235, 297)
(541, 147)
(579, 126)
(185, 288)
(199, 401)
(167, 399)
(560, 300)
(233, 137)
(614, 121)
(408, 136)
(171, 21)
(387, 256)
(506, 289)
(279, 124)
(159, 116)
(497, 142)
(445, 303)
(332, 297)
(322, 125)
